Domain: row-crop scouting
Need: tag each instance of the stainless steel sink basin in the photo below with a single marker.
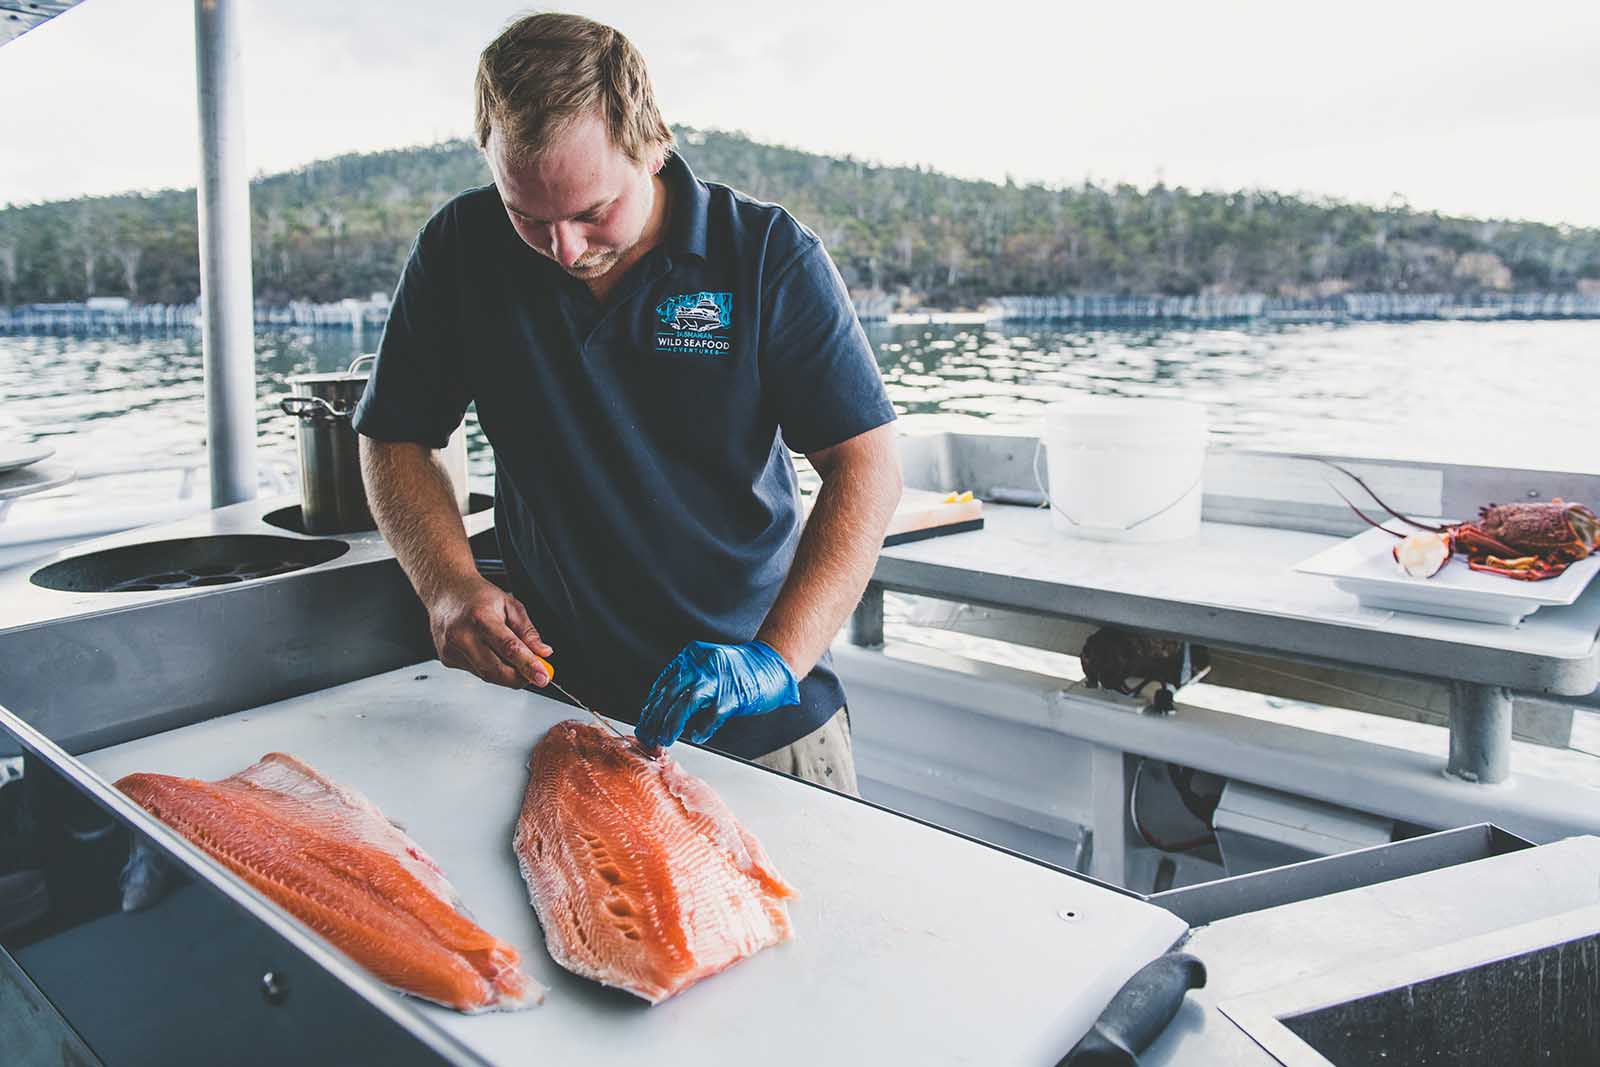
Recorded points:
(186, 563)
(1527, 994)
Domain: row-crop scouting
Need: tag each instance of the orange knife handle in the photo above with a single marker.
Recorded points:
(548, 670)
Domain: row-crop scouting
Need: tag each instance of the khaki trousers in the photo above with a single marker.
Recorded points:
(823, 756)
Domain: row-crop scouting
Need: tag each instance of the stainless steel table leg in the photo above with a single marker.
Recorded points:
(1111, 785)
(1480, 733)
(866, 622)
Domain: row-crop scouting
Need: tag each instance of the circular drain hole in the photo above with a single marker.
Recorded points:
(189, 563)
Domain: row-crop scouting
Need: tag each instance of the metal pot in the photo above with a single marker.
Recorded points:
(332, 498)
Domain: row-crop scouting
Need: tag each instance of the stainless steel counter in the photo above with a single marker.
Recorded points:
(90, 669)
(27, 604)
(1233, 586)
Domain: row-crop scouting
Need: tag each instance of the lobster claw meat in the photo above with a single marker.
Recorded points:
(1423, 554)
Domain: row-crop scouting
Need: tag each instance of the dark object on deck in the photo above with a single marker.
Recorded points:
(1154, 668)
(1139, 1012)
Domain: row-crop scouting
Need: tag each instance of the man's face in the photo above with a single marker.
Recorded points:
(580, 202)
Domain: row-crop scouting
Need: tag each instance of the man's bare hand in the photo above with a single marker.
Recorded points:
(479, 627)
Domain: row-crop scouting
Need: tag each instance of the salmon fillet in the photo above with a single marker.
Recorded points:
(641, 876)
(328, 856)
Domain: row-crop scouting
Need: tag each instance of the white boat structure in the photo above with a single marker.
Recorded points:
(1341, 882)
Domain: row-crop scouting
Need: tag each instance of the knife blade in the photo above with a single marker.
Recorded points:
(601, 719)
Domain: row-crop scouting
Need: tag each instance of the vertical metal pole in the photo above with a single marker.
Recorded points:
(1111, 783)
(866, 622)
(1480, 733)
(226, 300)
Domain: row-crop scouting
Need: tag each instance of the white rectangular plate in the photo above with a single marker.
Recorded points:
(1364, 565)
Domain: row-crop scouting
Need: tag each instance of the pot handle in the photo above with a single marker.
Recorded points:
(312, 407)
(360, 360)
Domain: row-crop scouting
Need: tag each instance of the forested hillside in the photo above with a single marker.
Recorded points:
(341, 228)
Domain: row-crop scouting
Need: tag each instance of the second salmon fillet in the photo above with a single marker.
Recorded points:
(641, 876)
(328, 856)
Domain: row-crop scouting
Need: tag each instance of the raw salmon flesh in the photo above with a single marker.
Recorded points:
(641, 876)
(328, 856)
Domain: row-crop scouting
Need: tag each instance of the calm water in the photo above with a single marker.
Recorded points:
(1509, 394)
(1506, 393)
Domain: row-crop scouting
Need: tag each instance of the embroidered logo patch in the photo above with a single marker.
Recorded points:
(696, 324)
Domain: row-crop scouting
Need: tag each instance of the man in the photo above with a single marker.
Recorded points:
(643, 348)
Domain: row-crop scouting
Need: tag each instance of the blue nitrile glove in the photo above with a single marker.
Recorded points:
(705, 685)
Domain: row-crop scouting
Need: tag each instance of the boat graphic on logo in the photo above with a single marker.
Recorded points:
(700, 318)
(695, 324)
(697, 312)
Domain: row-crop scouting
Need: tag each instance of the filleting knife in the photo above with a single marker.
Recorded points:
(601, 719)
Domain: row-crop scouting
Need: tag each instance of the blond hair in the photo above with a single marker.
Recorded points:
(546, 70)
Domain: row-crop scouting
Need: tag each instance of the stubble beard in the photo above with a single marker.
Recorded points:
(595, 267)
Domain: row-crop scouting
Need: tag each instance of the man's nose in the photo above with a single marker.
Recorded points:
(566, 246)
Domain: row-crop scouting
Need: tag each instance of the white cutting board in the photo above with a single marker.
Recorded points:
(920, 509)
(912, 945)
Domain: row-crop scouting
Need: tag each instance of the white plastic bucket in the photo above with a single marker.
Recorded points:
(1125, 468)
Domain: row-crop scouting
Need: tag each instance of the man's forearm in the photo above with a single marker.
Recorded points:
(410, 495)
(837, 550)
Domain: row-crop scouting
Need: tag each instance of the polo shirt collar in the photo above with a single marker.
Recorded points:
(690, 201)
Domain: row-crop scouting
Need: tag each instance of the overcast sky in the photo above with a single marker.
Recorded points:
(1467, 108)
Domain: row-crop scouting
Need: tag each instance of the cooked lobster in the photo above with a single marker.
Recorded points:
(1528, 542)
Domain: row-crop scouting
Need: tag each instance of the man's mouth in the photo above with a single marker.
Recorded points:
(590, 266)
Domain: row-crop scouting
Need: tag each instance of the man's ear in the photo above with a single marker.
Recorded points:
(658, 161)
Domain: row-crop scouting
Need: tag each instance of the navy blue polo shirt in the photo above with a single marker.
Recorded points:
(644, 494)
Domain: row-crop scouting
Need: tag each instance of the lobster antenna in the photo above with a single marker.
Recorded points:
(1363, 515)
(1403, 518)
